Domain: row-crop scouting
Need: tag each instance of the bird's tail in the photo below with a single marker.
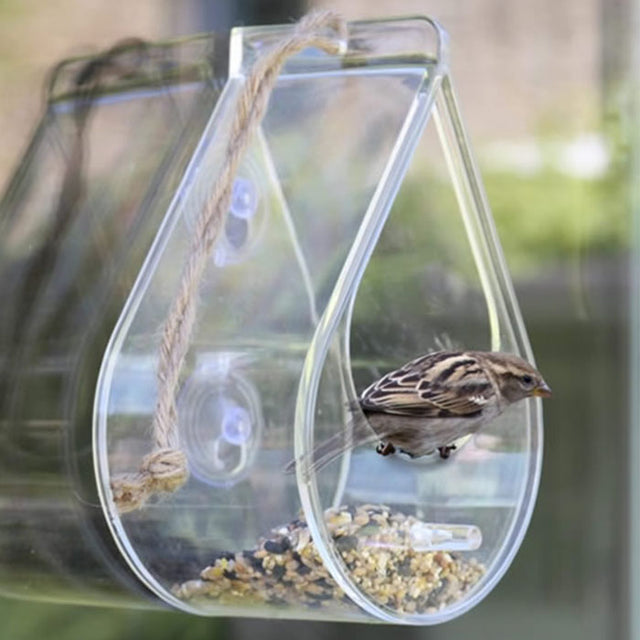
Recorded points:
(358, 433)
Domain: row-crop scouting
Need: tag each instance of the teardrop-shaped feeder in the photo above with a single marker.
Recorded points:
(357, 238)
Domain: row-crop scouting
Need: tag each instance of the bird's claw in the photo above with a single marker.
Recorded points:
(445, 452)
(385, 448)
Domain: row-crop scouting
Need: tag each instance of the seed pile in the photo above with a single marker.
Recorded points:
(374, 543)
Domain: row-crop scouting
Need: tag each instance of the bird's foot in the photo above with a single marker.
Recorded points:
(445, 452)
(385, 448)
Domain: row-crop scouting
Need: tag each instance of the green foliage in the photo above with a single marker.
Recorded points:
(548, 216)
(544, 216)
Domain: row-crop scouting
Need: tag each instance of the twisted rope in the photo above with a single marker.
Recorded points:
(165, 468)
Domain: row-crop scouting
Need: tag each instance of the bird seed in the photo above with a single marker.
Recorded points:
(285, 568)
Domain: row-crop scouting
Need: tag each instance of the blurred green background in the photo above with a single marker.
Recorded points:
(546, 91)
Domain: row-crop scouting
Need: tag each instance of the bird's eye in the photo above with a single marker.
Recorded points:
(527, 380)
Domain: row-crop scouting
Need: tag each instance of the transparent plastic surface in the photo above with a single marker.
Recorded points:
(77, 220)
(357, 238)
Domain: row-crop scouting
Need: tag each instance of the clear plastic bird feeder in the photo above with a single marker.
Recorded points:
(358, 237)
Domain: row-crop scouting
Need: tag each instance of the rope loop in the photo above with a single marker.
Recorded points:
(165, 469)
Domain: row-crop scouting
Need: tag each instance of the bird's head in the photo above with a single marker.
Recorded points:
(515, 377)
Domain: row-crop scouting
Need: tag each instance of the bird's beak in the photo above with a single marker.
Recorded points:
(542, 391)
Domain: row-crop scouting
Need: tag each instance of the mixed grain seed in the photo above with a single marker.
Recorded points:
(374, 543)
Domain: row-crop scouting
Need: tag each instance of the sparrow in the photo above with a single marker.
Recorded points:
(432, 402)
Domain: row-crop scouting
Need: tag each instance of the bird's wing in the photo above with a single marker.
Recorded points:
(438, 385)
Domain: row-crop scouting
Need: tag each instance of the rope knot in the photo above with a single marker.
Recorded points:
(167, 469)
(161, 471)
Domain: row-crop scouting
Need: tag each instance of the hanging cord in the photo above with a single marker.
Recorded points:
(165, 468)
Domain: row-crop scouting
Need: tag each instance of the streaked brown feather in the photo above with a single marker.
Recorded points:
(417, 388)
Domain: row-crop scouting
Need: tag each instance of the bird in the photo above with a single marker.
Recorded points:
(432, 402)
